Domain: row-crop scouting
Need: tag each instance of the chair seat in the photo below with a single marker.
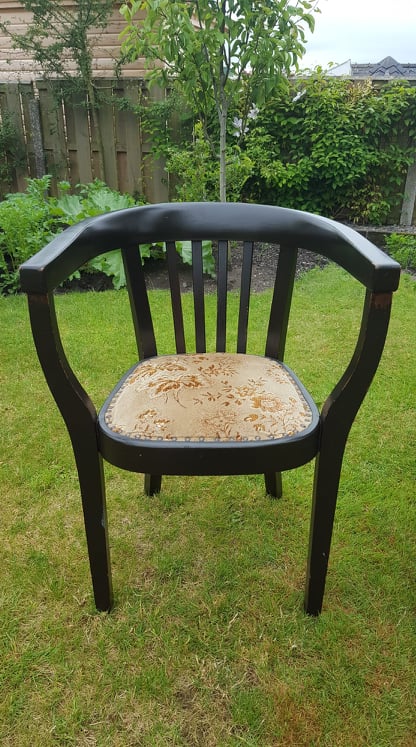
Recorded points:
(209, 397)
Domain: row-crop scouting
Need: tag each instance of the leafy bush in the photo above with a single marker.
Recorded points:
(26, 224)
(12, 151)
(29, 220)
(333, 146)
(326, 145)
(402, 247)
(196, 169)
(94, 199)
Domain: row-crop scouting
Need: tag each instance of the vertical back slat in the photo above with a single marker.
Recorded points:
(243, 313)
(282, 299)
(139, 302)
(199, 304)
(175, 294)
(222, 267)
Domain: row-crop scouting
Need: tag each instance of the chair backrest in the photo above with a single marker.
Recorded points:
(243, 254)
(244, 228)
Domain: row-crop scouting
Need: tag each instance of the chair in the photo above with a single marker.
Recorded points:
(218, 412)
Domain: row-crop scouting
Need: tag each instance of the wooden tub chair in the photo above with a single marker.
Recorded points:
(210, 412)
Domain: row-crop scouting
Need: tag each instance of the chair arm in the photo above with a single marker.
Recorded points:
(73, 402)
(341, 406)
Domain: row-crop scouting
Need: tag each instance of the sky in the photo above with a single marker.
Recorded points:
(362, 31)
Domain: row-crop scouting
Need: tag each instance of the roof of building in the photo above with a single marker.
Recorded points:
(386, 69)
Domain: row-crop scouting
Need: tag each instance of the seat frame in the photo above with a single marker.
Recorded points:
(221, 222)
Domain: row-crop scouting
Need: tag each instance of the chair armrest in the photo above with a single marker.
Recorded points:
(75, 405)
(341, 406)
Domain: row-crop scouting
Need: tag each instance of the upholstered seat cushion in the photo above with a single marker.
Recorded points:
(209, 397)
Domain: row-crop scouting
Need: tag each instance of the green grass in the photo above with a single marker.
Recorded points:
(207, 644)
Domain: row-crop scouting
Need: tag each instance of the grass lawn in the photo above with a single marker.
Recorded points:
(208, 644)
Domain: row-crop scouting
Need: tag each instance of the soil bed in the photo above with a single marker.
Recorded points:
(263, 275)
(264, 270)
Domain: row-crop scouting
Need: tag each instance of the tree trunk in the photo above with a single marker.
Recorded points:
(409, 196)
(37, 140)
(222, 114)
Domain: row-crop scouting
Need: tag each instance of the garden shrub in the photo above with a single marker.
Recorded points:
(90, 200)
(29, 220)
(26, 224)
(333, 146)
(196, 170)
(402, 247)
(12, 151)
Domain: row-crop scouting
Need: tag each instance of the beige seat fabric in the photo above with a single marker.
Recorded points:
(208, 397)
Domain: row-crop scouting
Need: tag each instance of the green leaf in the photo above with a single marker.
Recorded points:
(111, 264)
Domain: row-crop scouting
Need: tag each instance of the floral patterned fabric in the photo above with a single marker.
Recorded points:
(208, 397)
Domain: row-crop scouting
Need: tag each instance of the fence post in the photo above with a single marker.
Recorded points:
(12, 106)
(53, 129)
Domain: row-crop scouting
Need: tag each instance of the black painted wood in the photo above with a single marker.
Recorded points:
(281, 302)
(273, 484)
(199, 301)
(328, 433)
(186, 221)
(337, 417)
(152, 484)
(139, 302)
(246, 270)
(222, 276)
(175, 295)
(80, 418)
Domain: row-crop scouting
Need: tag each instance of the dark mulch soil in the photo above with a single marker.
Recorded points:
(264, 271)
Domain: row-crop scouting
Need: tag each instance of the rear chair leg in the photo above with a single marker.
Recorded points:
(152, 484)
(273, 482)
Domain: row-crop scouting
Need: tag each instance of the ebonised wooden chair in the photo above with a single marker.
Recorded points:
(218, 412)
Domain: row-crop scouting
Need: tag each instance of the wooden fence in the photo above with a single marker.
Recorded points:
(57, 134)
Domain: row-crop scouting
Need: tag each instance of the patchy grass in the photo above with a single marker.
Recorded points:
(208, 644)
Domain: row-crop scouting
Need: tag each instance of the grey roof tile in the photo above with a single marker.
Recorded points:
(386, 68)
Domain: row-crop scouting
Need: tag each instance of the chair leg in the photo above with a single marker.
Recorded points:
(152, 484)
(91, 480)
(273, 483)
(325, 492)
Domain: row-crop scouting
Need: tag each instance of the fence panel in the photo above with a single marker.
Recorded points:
(78, 140)
(60, 138)
(30, 112)
(129, 138)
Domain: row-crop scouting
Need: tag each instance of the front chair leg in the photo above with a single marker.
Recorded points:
(273, 483)
(325, 491)
(152, 484)
(91, 480)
